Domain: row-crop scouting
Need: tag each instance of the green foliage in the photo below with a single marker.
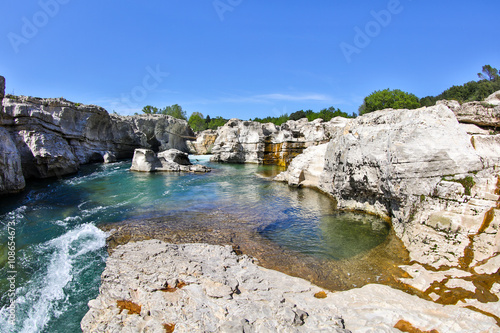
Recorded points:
(489, 73)
(383, 99)
(298, 115)
(148, 109)
(216, 122)
(174, 111)
(275, 120)
(325, 114)
(470, 91)
(468, 183)
(197, 122)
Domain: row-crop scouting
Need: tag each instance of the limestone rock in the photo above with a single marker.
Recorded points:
(45, 154)
(253, 142)
(204, 143)
(493, 99)
(11, 173)
(57, 131)
(109, 157)
(201, 288)
(485, 114)
(474, 129)
(420, 168)
(208, 288)
(174, 156)
(144, 160)
(2, 91)
(173, 160)
(385, 157)
(378, 308)
(306, 168)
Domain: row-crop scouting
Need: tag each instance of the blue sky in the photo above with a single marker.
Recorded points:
(242, 58)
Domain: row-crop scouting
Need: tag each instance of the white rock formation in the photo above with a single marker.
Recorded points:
(152, 286)
(493, 99)
(54, 137)
(204, 142)
(413, 166)
(305, 169)
(253, 142)
(173, 160)
(486, 113)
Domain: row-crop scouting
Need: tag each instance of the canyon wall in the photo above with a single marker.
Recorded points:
(253, 142)
(436, 179)
(421, 168)
(52, 137)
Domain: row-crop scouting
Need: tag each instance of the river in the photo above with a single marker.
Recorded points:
(60, 251)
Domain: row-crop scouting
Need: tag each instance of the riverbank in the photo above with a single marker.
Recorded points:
(156, 287)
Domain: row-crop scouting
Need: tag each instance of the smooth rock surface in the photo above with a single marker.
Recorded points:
(208, 288)
(493, 99)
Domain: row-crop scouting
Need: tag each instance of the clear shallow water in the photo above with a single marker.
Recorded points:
(61, 252)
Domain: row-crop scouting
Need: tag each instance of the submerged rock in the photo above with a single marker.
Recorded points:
(208, 288)
(170, 160)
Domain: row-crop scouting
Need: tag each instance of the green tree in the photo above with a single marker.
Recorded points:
(383, 99)
(175, 111)
(197, 122)
(148, 109)
(298, 115)
(217, 122)
(489, 73)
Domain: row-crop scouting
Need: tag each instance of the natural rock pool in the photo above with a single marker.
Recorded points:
(61, 247)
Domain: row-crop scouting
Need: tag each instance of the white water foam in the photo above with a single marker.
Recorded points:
(107, 170)
(39, 299)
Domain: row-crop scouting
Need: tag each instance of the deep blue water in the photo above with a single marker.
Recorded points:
(60, 252)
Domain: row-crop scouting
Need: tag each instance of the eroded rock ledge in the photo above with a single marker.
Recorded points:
(152, 286)
(52, 137)
(253, 142)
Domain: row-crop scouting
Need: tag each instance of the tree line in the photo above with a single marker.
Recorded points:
(326, 114)
(489, 82)
(197, 121)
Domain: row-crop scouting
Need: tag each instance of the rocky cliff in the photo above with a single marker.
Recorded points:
(437, 182)
(253, 142)
(204, 142)
(53, 137)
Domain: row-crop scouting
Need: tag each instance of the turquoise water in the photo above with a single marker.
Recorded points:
(60, 252)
